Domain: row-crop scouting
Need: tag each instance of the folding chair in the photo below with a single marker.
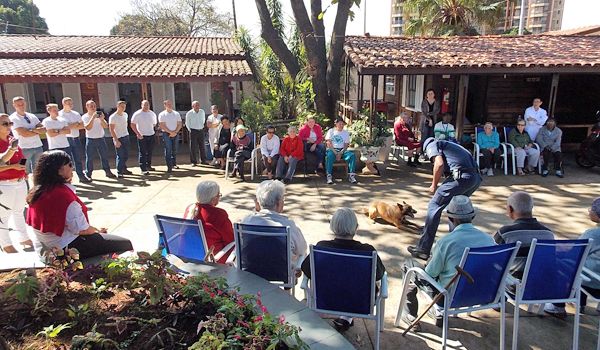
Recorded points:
(266, 251)
(552, 275)
(477, 151)
(343, 283)
(509, 146)
(489, 267)
(398, 151)
(185, 239)
(253, 159)
(589, 275)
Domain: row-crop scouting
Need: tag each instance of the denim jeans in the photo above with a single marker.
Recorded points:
(319, 152)
(93, 147)
(32, 155)
(348, 157)
(145, 147)
(122, 154)
(76, 152)
(286, 170)
(171, 147)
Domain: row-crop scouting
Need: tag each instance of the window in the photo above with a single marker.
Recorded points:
(412, 91)
(46, 93)
(183, 97)
(390, 85)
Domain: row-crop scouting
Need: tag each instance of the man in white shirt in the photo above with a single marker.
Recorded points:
(143, 124)
(27, 128)
(117, 124)
(94, 124)
(338, 141)
(269, 149)
(73, 118)
(195, 122)
(170, 124)
(56, 129)
(212, 123)
(535, 117)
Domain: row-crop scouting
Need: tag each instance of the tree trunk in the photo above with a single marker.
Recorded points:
(336, 52)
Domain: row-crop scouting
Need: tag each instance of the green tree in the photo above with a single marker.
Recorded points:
(454, 17)
(173, 18)
(322, 65)
(22, 17)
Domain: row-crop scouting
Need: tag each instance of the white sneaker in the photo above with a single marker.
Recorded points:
(329, 179)
(484, 171)
(490, 172)
(352, 178)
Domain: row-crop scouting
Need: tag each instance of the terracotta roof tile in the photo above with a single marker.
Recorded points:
(473, 52)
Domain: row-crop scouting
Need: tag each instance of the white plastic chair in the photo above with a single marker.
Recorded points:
(507, 130)
(253, 159)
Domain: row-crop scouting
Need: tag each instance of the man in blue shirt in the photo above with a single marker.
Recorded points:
(462, 178)
(447, 253)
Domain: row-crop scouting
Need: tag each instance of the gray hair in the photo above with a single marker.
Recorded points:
(488, 124)
(206, 191)
(292, 128)
(269, 193)
(344, 223)
(521, 202)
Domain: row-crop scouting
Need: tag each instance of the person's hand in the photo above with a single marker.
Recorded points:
(338, 157)
(269, 160)
(172, 134)
(313, 147)
(99, 115)
(491, 150)
(286, 159)
(103, 230)
(410, 139)
(139, 136)
(432, 189)
(117, 143)
(16, 166)
(298, 273)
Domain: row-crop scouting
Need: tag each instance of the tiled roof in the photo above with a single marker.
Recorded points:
(126, 69)
(589, 30)
(108, 46)
(120, 59)
(540, 53)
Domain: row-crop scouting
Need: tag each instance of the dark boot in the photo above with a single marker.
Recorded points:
(416, 160)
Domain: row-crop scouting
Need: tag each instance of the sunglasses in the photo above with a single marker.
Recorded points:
(520, 124)
(7, 124)
(27, 119)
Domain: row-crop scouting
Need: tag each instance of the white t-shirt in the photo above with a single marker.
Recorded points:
(120, 123)
(75, 222)
(338, 138)
(58, 141)
(71, 117)
(145, 121)
(213, 133)
(533, 127)
(97, 131)
(170, 119)
(26, 142)
(269, 148)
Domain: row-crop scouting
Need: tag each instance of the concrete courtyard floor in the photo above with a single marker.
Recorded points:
(126, 207)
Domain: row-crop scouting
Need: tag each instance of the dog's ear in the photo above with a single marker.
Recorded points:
(400, 206)
(403, 202)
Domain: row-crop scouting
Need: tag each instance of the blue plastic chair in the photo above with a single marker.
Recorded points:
(266, 251)
(184, 239)
(477, 151)
(489, 267)
(552, 275)
(343, 283)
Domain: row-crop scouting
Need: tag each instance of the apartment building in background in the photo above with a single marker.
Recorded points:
(540, 16)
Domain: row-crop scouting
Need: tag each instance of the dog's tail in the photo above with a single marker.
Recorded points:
(363, 210)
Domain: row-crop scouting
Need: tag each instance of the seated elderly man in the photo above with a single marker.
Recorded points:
(519, 207)
(489, 146)
(549, 139)
(270, 198)
(444, 130)
(344, 225)
(446, 254)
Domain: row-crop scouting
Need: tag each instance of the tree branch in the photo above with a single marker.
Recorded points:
(275, 41)
(336, 48)
(316, 9)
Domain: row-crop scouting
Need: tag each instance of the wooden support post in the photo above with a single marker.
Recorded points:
(347, 84)
(360, 97)
(553, 93)
(4, 99)
(463, 91)
(144, 91)
(373, 101)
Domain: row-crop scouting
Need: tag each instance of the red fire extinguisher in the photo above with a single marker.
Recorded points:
(445, 100)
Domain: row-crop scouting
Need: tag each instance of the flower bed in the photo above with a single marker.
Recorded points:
(133, 303)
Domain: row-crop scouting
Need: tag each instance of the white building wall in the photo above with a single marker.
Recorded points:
(16, 89)
(169, 93)
(158, 96)
(108, 95)
(200, 92)
(73, 90)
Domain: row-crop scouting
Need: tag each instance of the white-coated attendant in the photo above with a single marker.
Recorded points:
(535, 117)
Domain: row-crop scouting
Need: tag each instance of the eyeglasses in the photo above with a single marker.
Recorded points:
(7, 124)
(27, 119)
(520, 124)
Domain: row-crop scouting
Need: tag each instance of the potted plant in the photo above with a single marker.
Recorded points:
(374, 145)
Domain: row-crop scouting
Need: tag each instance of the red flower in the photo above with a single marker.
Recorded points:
(281, 319)
(212, 295)
(258, 318)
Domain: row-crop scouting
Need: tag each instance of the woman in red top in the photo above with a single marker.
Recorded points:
(218, 229)
(312, 136)
(13, 189)
(290, 153)
(405, 137)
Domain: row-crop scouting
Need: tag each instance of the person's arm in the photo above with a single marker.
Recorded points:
(179, 126)
(276, 146)
(8, 154)
(103, 122)
(436, 265)
(187, 120)
(75, 221)
(438, 171)
(16, 166)
(542, 120)
(512, 138)
(90, 123)
(496, 139)
(319, 133)
(163, 127)
(300, 245)
(498, 238)
(283, 150)
(113, 133)
(134, 127)
(437, 107)
(263, 146)
(451, 131)
(557, 141)
(25, 132)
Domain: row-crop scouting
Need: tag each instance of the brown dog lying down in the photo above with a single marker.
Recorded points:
(395, 214)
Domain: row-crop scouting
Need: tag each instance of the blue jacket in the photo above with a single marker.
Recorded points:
(491, 141)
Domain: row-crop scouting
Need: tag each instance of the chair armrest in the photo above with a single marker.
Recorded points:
(224, 251)
(304, 284)
(231, 260)
(299, 262)
(384, 286)
(503, 146)
(229, 153)
(589, 275)
(511, 281)
(475, 150)
(254, 152)
(535, 145)
(424, 276)
(508, 145)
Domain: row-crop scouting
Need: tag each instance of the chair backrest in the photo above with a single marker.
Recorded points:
(488, 266)
(343, 280)
(507, 130)
(265, 251)
(182, 238)
(553, 269)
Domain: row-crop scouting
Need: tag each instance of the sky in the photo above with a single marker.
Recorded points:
(97, 17)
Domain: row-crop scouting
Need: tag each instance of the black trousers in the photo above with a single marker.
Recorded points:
(412, 302)
(490, 159)
(145, 147)
(556, 156)
(197, 145)
(100, 244)
(593, 291)
(240, 157)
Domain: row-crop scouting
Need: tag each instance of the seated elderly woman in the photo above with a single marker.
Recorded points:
(489, 146)
(58, 217)
(218, 229)
(523, 144)
(290, 153)
(344, 225)
(270, 199)
(404, 136)
(311, 135)
(242, 144)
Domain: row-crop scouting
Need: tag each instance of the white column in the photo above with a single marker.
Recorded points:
(158, 96)
(169, 92)
(13, 90)
(108, 94)
(73, 90)
(200, 92)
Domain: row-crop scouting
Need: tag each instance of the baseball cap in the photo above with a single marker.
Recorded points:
(340, 120)
(241, 127)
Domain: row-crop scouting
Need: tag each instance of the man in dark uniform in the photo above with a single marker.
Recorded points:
(462, 177)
